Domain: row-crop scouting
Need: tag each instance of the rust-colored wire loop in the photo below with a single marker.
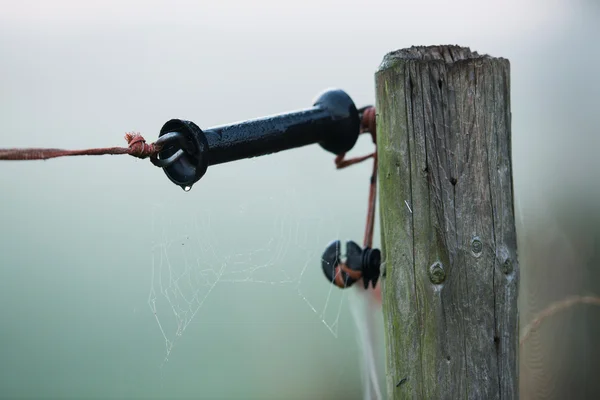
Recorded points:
(367, 125)
(137, 148)
(339, 277)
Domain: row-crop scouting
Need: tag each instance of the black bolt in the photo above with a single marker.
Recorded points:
(333, 121)
(361, 263)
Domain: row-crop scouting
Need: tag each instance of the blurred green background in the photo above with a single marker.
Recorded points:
(107, 268)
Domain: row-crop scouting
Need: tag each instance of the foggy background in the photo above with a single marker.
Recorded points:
(82, 238)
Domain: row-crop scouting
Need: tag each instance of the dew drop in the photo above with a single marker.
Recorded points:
(187, 188)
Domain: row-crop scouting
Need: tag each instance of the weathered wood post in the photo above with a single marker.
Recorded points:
(448, 234)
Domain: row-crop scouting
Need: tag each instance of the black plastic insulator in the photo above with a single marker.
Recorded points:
(333, 122)
(366, 262)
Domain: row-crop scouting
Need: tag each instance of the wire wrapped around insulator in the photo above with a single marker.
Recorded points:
(359, 264)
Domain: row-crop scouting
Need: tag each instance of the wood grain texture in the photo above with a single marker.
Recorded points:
(448, 233)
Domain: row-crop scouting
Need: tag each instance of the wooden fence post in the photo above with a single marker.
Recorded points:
(450, 272)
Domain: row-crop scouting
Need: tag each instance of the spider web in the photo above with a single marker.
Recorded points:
(191, 260)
